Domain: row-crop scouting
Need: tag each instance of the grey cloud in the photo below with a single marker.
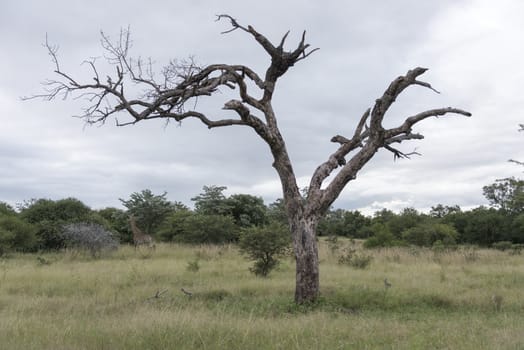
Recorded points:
(363, 45)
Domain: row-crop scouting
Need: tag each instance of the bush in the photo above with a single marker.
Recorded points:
(173, 227)
(16, 235)
(382, 237)
(354, 259)
(265, 245)
(207, 229)
(117, 221)
(88, 236)
(50, 216)
(487, 226)
(426, 234)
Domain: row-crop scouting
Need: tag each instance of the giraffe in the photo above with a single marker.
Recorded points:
(139, 237)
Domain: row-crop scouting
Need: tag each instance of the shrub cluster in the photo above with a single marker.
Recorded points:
(90, 237)
(355, 259)
(16, 235)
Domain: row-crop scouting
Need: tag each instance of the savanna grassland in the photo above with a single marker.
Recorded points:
(133, 300)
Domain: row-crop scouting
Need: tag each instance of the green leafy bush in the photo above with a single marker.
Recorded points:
(173, 228)
(265, 245)
(382, 237)
(427, 233)
(50, 216)
(16, 235)
(207, 229)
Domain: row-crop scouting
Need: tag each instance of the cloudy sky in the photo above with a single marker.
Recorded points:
(474, 50)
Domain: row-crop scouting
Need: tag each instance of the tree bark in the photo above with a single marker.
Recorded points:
(307, 287)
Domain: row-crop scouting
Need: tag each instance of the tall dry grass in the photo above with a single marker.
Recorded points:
(132, 300)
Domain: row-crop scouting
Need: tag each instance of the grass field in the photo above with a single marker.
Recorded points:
(133, 300)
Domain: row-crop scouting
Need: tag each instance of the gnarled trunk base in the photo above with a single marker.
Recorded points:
(306, 253)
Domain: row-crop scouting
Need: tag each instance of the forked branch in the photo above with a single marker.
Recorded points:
(366, 141)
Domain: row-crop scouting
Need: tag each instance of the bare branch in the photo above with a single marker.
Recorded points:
(281, 60)
(370, 140)
(234, 23)
(399, 154)
(409, 122)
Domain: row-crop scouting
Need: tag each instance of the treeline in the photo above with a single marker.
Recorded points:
(500, 225)
(45, 224)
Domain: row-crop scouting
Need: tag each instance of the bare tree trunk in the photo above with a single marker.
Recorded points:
(306, 253)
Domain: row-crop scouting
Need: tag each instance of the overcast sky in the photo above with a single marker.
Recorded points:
(474, 50)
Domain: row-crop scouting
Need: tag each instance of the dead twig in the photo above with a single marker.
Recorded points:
(158, 294)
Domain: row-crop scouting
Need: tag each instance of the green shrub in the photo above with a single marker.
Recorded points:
(265, 245)
(426, 234)
(50, 216)
(16, 235)
(207, 229)
(382, 237)
(173, 226)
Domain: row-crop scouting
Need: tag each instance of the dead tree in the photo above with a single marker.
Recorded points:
(173, 96)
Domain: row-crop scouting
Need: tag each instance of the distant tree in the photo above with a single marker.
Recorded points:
(428, 233)
(276, 211)
(383, 216)
(247, 210)
(50, 216)
(118, 221)
(408, 218)
(149, 209)
(174, 227)
(68, 209)
(6, 209)
(486, 226)
(182, 83)
(440, 211)
(342, 222)
(506, 194)
(207, 229)
(212, 201)
(517, 229)
(332, 224)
